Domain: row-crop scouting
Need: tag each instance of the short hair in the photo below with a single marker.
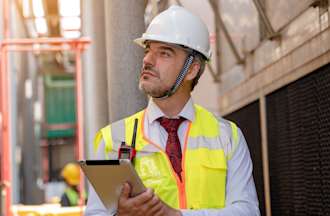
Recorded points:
(200, 58)
(202, 61)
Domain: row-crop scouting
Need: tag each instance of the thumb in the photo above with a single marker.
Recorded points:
(126, 191)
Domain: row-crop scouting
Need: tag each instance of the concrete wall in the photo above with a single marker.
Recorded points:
(124, 58)
(268, 64)
(112, 63)
(304, 45)
(94, 71)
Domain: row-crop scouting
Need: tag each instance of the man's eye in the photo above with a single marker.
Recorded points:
(165, 54)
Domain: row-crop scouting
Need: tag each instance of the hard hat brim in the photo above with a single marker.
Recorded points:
(141, 42)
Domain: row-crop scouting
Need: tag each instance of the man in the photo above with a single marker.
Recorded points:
(191, 162)
(71, 175)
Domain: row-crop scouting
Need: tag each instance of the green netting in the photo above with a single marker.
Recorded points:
(60, 104)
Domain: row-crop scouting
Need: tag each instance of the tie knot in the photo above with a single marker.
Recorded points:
(170, 125)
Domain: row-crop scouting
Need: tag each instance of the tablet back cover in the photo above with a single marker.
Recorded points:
(108, 176)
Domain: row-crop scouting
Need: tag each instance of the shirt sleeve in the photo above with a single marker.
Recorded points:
(241, 196)
(94, 205)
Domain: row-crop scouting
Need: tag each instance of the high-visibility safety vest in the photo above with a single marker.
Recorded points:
(204, 159)
(72, 195)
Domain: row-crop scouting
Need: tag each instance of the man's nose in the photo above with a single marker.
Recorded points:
(149, 59)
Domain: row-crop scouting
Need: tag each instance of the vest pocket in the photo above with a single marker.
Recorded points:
(154, 173)
(213, 172)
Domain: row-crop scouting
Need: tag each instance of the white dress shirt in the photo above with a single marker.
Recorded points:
(241, 197)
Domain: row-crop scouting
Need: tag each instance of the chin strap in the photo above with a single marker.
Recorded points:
(179, 79)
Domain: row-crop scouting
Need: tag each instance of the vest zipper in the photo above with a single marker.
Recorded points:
(180, 184)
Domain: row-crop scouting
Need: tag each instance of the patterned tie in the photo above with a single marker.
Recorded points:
(173, 147)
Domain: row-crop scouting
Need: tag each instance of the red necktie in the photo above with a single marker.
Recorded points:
(173, 147)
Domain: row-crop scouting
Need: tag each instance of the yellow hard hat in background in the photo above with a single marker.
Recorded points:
(71, 173)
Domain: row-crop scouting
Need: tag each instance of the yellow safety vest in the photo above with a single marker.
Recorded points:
(72, 195)
(204, 163)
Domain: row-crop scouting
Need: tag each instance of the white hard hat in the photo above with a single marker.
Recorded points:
(178, 26)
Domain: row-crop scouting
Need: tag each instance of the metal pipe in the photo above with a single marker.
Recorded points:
(5, 99)
(5, 160)
(26, 41)
(5, 150)
(80, 118)
(31, 48)
(219, 20)
(264, 149)
(217, 52)
(6, 46)
(6, 30)
(264, 18)
(213, 74)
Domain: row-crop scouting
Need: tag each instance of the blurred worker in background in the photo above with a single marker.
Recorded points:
(71, 175)
(192, 162)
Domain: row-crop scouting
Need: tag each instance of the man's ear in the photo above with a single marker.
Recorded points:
(193, 71)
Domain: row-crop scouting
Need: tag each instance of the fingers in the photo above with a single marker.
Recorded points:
(143, 198)
(149, 205)
(145, 204)
(126, 190)
(155, 207)
(123, 201)
(138, 205)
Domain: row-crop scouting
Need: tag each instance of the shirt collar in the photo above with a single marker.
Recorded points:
(153, 112)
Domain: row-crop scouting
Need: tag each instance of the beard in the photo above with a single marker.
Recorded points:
(152, 88)
(152, 91)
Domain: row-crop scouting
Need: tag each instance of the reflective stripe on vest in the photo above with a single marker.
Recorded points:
(204, 160)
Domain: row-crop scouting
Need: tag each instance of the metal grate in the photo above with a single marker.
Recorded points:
(298, 118)
(248, 119)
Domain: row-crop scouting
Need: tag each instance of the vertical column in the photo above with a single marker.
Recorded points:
(124, 58)
(24, 137)
(264, 147)
(94, 71)
(5, 150)
(1, 113)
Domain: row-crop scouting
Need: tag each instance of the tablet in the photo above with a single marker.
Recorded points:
(108, 176)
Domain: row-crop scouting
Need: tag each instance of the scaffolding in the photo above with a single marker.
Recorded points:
(32, 45)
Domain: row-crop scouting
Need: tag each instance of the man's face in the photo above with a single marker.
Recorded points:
(162, 64)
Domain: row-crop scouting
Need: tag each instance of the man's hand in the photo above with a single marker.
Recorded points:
(145, 204)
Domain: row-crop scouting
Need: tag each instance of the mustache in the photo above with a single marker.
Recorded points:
(149, 68)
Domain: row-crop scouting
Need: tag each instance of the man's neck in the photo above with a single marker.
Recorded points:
(172, 105)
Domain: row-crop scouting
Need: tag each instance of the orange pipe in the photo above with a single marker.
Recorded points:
(80, 119)
(30, 48)
(5, 160)
(5, 23)
(25, 44)
(5, 150)
(27, 41)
